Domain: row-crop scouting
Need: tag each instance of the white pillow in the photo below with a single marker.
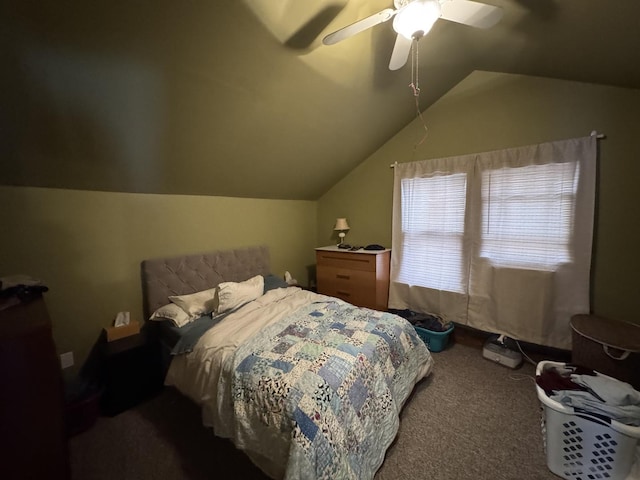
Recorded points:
(171, 312)
(196, 304)
(232, 294)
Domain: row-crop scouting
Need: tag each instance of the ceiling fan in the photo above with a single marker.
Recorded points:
(414, 18)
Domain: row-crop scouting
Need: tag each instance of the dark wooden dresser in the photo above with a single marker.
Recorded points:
(32, 428)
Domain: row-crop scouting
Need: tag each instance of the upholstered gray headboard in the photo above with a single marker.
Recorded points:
(162, 277)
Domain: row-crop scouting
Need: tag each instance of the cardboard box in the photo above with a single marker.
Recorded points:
(114, 333)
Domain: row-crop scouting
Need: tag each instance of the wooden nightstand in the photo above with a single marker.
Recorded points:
(360, 277)
(131, 373)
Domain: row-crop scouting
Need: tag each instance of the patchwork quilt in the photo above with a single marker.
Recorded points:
(320, 391)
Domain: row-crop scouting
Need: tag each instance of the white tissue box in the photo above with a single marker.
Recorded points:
(114, 333)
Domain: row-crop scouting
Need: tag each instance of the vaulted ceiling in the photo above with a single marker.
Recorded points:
(243, 99)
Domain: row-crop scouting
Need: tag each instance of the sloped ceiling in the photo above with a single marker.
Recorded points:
(242, 99)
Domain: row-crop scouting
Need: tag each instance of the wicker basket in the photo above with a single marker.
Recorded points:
(609, 346)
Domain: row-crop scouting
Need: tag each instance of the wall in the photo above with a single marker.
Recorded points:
(87, 246)
(489, 111)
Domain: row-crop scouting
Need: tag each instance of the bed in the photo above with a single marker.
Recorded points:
(307, 385)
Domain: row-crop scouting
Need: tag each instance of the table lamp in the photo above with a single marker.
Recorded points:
(342, 227)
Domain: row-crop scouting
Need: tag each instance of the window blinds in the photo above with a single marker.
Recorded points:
(527, 215)
(433, 210)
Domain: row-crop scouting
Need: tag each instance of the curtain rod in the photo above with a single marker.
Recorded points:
(593, 133)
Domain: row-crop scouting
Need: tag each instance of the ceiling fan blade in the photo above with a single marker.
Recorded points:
(359, 26)
(400, 53)
(474, 14)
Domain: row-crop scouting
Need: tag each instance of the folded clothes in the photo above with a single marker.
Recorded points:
(612, 391)
(592, 392)
(627, 414)
(606, 396)
(552, 381)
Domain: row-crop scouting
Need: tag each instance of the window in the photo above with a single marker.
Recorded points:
(499, 241)
(433, 211)
(527, 215)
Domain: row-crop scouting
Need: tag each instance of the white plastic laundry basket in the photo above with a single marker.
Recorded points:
(582, 446)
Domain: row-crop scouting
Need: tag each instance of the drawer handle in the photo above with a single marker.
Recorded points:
(344, 277)
(346, 294)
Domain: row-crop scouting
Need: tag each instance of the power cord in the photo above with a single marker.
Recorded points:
(524, 354)
(501, 341)
(521, 376)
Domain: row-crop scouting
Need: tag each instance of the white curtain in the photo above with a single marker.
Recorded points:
(500, 241)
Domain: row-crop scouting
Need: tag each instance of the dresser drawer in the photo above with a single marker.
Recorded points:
(352, 261)
(353, 286)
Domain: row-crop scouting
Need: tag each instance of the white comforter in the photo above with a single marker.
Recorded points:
(207, 376)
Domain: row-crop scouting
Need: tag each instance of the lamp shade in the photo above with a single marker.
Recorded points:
(417, 18)
(341, 224)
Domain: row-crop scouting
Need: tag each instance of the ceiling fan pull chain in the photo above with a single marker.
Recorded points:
(415, 84)
(416, 53)
(415, 81)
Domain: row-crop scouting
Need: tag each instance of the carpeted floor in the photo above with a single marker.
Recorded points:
(471, 419)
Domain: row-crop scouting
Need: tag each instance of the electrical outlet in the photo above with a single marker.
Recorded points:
(66, 360)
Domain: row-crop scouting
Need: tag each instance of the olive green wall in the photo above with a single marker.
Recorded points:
(87, 246)
(489, 111)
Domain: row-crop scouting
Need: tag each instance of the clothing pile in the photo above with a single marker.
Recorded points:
(20, 285)
(16, 289)
(429, 321)
(589, 391)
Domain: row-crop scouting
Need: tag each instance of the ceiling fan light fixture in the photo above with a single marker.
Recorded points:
(416, 19)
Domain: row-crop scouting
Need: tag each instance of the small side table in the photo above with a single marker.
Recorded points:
(131, 373)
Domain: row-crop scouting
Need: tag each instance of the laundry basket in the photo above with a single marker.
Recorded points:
(435, 341)
(582, 446)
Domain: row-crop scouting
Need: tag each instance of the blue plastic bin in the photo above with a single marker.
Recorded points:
(435, 341)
